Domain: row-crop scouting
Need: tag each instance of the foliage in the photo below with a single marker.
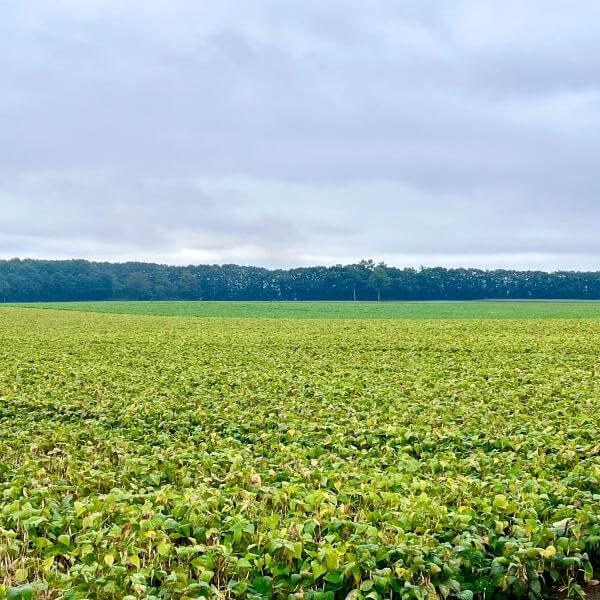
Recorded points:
(317, 459)
(79, 280)
(379, 279)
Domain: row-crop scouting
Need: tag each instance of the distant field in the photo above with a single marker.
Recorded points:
(344, 310)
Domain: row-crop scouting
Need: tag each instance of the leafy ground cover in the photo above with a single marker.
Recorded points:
(345, 310)
(318, 459)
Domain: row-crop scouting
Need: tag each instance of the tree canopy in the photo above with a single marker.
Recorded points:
(28, 280)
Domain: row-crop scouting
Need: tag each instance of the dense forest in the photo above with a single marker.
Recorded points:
(48, 280)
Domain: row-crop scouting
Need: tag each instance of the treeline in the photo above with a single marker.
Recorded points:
(48, 280)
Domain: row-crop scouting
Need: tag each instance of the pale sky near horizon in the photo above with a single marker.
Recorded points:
(420, 132)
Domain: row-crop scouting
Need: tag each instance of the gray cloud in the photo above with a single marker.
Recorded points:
(257, 132)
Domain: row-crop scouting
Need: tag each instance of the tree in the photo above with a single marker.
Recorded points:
(138, 285)
(190, 287)
(356, 277)
(379, 279)
(28, 280)
(4, 288)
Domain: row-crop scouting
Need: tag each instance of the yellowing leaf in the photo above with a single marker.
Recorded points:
(501, 502)
(548, 552)
(163, 548)
(134, 560)
(21, 575)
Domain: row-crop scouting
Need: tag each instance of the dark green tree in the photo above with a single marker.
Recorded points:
(27, 280)
(138, 285)
(4, 289)
(379, 280)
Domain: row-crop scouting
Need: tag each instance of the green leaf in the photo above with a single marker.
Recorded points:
(263, 585)
(22, 592)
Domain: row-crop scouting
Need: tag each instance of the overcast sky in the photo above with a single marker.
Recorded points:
(418, 132)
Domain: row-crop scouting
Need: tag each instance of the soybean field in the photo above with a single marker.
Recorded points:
(358, 456)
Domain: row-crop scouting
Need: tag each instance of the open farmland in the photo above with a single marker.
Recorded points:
(552, 309)
(177, 457)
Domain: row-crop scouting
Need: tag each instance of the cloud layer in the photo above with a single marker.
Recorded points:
(293, 133)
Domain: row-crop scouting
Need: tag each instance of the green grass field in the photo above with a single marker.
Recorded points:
(345, 310)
